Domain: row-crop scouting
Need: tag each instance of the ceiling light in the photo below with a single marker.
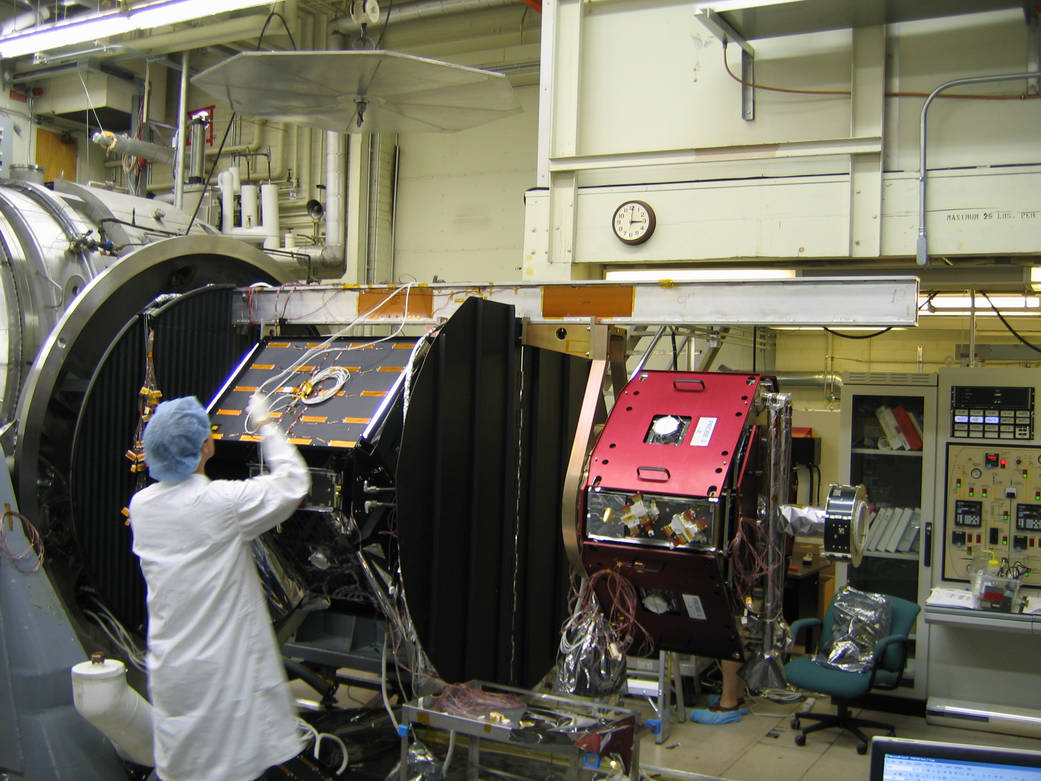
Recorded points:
(701, 274)
(43, 39)
(723, 6)
(1035, 278)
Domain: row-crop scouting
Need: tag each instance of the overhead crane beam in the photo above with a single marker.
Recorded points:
(835, 301)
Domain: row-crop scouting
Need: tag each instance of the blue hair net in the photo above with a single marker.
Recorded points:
(174, 437)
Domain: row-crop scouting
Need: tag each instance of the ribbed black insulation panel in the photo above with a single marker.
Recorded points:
(195, 349)
(479, 480)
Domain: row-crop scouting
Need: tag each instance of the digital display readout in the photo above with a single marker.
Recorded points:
(967, 513)
(1028, 517)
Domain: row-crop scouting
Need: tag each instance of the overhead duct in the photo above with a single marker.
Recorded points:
(133, 147)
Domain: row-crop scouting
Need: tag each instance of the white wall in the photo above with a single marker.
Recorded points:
(461, 199)
(641, 103)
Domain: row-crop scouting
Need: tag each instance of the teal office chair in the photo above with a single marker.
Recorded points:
(844, 687)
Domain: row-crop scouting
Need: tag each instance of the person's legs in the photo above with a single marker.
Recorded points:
(732, 695)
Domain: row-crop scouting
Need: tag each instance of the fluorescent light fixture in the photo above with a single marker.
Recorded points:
(1035, 278)
(723, 6)
(108, 25)
(701, 274)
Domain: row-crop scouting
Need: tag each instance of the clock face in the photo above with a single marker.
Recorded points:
(633, 222)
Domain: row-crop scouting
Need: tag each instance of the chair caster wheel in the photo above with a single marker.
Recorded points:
(800, 740)
(862, 749)
(795, 722)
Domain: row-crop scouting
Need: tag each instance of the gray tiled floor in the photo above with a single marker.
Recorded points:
(761, 747)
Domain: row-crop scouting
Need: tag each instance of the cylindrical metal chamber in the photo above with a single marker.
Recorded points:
(52, 243)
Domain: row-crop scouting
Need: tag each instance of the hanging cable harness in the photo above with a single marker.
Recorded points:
(148, 398)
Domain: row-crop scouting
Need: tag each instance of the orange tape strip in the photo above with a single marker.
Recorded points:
(314, 418)
(378, 394)
(245, 389)
(356, 420)
(596, 301)
(299, 441)
(420, 303)
(341, 443)
(231, 412)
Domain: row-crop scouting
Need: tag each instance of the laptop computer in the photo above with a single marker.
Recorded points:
(901, 759)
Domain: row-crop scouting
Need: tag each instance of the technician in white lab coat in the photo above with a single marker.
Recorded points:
(222, 706)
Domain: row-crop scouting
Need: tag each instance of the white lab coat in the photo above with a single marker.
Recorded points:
(221, 700)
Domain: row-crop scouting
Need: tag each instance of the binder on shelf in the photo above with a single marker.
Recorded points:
(891, 428)
(877, 529)
(909, 428)
(903, 519)
(909, 541)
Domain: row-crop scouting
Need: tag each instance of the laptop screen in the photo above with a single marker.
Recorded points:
(896, 759)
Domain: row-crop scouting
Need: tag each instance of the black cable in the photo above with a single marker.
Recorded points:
(386, 24)
(675, 354)
(860, 336)
(1005, 323)
(267, 21)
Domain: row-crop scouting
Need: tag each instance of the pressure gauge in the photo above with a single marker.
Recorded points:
(976, 473)
(633, 222)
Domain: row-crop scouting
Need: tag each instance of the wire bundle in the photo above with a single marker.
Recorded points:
(593, 645)
(116, 632)
(748, 557)
(1016, 570)
(461, 700)
(309, 733)
(272, 386)
(35, 549)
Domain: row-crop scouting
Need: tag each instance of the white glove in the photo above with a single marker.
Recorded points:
(258, 410)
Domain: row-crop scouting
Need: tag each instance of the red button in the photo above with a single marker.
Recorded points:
(1031, 542)
(978, 539)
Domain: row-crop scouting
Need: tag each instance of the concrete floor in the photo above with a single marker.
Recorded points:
(761, 747)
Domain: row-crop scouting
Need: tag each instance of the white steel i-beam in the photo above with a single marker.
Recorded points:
(825, 301)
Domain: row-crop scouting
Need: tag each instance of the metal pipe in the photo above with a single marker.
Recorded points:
(335, 170)
(134, 147)
(922, 249)
(972, 327)
(146, 97)
(195, 164)
(182, 128)
(420, 10)
(779, 409)
(647, 353)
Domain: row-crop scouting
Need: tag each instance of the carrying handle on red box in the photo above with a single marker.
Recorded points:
(688, 385)
(639, 566)
(656, 474)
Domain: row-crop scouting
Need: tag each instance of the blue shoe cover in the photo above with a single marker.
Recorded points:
(706, 716)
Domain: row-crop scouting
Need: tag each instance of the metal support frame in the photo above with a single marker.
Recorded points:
(720, 28)
(607, 349)
(831, 301)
